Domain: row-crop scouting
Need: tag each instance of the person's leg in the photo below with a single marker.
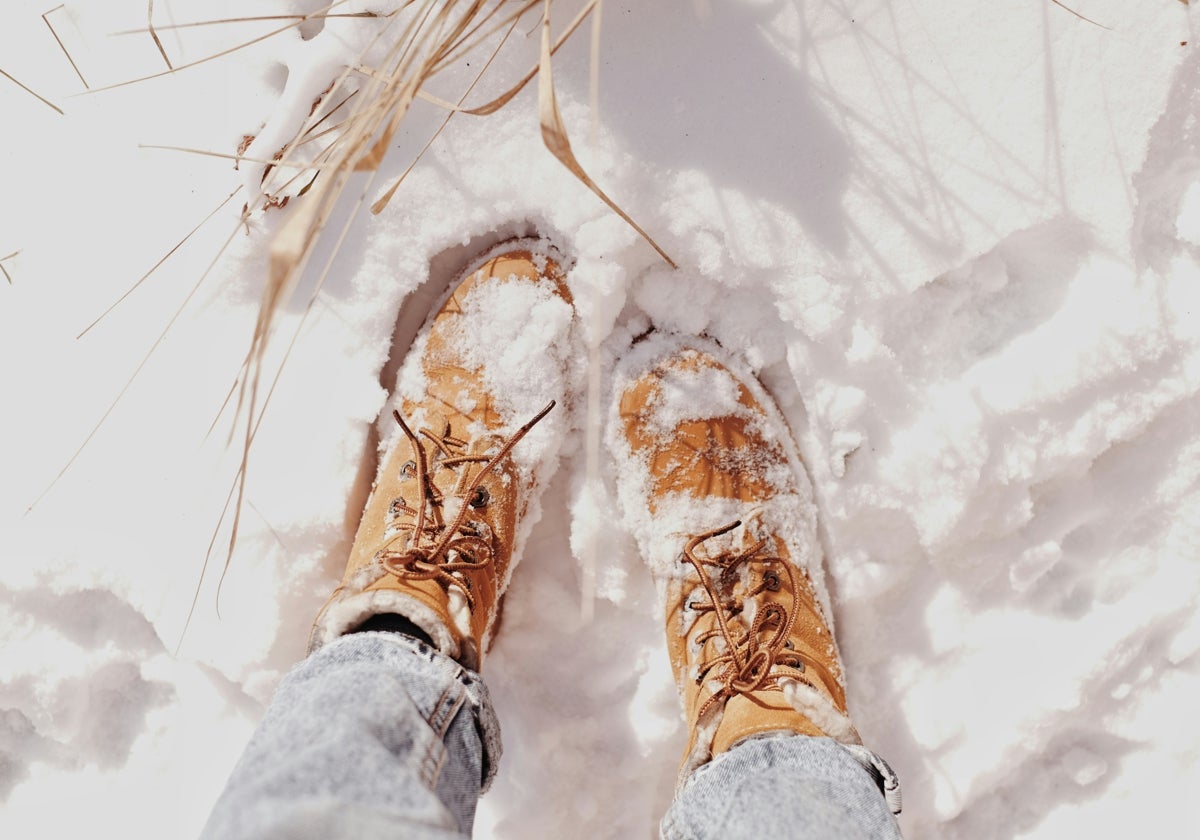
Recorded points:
(376, 734)
(786, 786)
(411, 745)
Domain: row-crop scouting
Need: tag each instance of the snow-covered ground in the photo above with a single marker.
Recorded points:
(959, 242)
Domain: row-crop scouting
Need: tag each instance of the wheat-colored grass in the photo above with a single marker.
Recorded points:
(154, 34)
(30, 91)
(428, 37)
(1062, 5)
(4, 270)
(410, 48)
(422, 39)
(61, 45)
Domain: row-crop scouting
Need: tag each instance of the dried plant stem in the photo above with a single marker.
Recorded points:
(384, 81)
(61, 45)
(240, 481)
(4, 270)
(554, 135)
(154, 35)
(1062, 5)
(289, 255)
(301, 19)
(594, 86)
(227, 156)
(506, 97)
(383, 201)
(38, 96)
(158, 264)
(129, 382)
(254, 19)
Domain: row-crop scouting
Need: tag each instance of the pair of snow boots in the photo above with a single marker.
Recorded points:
(707, 474)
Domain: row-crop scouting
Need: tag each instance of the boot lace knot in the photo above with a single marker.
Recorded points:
(747, 657)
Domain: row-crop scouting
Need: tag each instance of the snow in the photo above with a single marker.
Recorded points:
(957, 242)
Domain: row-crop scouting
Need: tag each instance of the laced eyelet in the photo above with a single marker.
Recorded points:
(396, 507)
(480, 497)
(771, 581)
(409, 469)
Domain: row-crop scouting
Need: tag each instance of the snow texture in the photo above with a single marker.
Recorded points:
(959, 243)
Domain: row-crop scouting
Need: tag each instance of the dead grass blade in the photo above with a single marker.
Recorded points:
(256, 18)
(554, 135)
(383, 201)
(226, 156)
(1062, 5)
(154, 35)
(594, 72)
(4, 270)
(288, 256)
(426, 39)
(236, 494)
(158, 264)
(32, 93)
(294, 23)
(506, 97)
(142, 364)
(61, 45)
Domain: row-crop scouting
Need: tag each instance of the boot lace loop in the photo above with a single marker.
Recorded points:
(748, 658)
(435, 550)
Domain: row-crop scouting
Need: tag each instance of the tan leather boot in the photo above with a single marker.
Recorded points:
(444, 525)
(722, 510)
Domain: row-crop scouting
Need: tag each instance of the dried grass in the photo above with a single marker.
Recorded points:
(30, 91)
(424, 38)
(1062, 5)
(154, 35)
(4, 270)
(61, 45)
(153, 347)
(256, 18)
(433, 35)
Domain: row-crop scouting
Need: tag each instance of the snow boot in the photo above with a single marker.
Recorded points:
(476, 441)
(722, 509)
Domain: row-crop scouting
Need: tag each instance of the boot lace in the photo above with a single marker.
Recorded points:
(748, 658)
(434, 550)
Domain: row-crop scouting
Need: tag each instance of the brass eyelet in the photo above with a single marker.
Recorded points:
(409, 469)
(480, 497)
(771, 581)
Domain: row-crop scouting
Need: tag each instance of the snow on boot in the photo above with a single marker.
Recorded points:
(476, 441)
(722, 510)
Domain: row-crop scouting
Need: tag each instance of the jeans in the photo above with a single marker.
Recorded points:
(377, 735)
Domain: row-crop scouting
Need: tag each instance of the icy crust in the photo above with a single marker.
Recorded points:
(790, 514)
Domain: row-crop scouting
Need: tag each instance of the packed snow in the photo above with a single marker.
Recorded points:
(959, 243)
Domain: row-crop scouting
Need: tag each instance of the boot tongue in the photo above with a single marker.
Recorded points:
(756, 713)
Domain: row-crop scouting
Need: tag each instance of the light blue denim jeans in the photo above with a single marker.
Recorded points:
(379, 736)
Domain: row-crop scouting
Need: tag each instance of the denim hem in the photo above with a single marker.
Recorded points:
(441, 668)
